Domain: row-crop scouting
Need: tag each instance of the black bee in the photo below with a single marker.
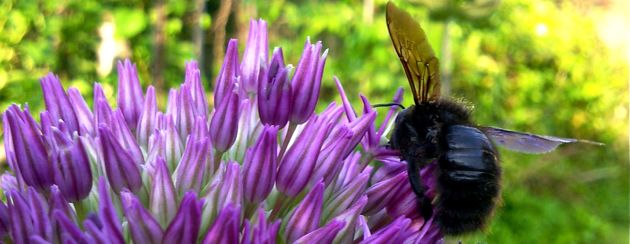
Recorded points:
(439, 129)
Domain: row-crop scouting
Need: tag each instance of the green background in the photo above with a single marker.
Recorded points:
(547, 67)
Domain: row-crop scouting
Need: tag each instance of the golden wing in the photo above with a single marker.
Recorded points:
(416, 55)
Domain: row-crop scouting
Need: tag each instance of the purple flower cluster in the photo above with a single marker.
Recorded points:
(260, 167)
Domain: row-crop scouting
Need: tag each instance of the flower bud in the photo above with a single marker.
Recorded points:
(306, 216)
(259, 166)
(163, 198)
(112, 228)
(389, 233)
(57, 102)
(297, 165)
(226, 227)
(380, 194)
(193, 80)
(224, 122)
(72, 173)
(130, 97)
(306, 82)
(83, 113)
(229, 72)
(255, 55)
(350, 217)
(185, 226)
(142, 225)
(190, 171)
(147, 119)
(29, 151)
(325, 234)
(121, 168)
(274, 92)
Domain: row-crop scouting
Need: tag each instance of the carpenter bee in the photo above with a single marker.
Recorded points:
(440, 129)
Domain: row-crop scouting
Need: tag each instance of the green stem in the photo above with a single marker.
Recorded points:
(278, 206)
(250, 210)
(217, 160)
(81, 209)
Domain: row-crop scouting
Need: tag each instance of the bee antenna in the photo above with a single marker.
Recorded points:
(388, 105)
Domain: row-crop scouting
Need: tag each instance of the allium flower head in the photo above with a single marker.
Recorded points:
(261, 166)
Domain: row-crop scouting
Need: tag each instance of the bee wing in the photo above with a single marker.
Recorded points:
(416, 55)
(526, 142)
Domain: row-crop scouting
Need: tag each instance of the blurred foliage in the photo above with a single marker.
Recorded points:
(537, 66)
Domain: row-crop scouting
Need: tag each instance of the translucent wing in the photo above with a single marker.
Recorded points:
(526, 142)
(416, 55)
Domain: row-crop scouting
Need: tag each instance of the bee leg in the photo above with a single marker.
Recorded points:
(423, 202)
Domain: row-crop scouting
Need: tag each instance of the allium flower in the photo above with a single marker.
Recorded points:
(235, 173)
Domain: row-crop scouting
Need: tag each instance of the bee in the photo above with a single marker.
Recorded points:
(435, 128)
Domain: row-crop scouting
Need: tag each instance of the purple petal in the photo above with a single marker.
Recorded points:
(185, 111)
(389, 233)
(173, 145)
(259, 166)
(125, 137)
(7, 184)
(325, 234)
(93, 233)
(230, 190)
(306, 82)
(142, 225)
(56, 201)
(297, 165)
(224, 122)
(430, 233)
(255, 55)
(190, 172)
(147, 120)
(380, 194)
(171, 106)
(107, 212)
(185, 226)
(30, 154)
(349, 111)
(21, 226)
(349, 170)
(331, 160)
(163, 198)
(130, 97)
(193, 80)
(39, 214)
(306, 216)
(360, 127)
(229, 71)
(226, 227)
(261, 232)
(200, 128)
(350, 216)
(122, 170)
(83, 113)
(57, 102)
(72, 173)
(274, 92)
(67, 227)
(347, 196)
(102, 110)
(4, 220)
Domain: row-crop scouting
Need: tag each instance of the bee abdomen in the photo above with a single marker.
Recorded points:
(468, 180)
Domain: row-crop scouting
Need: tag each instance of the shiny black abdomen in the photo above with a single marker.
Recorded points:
(468, 171)
(468, 179)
